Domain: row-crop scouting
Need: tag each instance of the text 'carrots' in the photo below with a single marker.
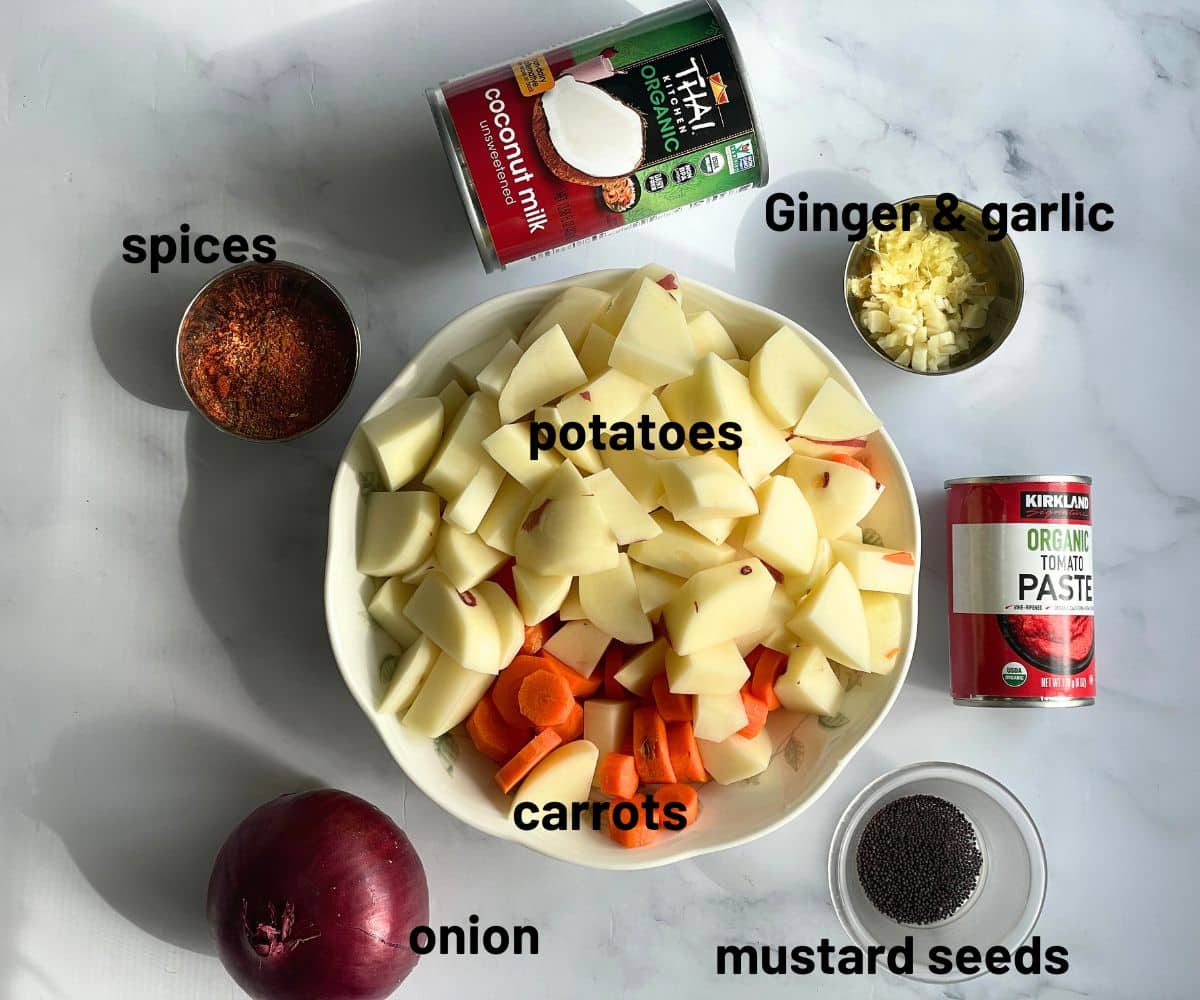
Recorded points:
(685, 795)
(640, 835)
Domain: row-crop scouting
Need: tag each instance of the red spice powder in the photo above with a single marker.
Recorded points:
(267, 352)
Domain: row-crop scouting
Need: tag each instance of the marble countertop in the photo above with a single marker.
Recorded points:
(166, 666)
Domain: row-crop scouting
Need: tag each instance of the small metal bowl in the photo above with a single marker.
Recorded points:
(307, 287)
(1001, 263)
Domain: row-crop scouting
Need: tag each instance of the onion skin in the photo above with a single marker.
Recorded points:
(314, 896)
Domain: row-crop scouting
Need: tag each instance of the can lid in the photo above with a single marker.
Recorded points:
(1085, 480)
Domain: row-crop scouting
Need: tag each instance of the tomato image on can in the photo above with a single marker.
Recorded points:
(1020, 594)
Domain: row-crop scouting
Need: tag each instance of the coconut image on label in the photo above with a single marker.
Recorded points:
(587, 136)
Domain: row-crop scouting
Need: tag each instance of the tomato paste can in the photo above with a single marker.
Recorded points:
(1020, 590)
(566, 145)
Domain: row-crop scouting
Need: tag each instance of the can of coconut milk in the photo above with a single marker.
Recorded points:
(567, 145)
(1020, 591)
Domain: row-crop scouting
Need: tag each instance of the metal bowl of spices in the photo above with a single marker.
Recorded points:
(945, 301)
(267, 351)
(940, 853)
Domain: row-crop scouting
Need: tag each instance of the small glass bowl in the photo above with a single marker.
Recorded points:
(1012, 883)
(1002, 265)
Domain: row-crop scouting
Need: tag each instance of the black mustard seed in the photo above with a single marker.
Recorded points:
(918, 859)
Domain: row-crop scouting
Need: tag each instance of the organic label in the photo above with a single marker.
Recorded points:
(1020, 569)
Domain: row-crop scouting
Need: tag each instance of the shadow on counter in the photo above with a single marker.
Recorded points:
(143, 805)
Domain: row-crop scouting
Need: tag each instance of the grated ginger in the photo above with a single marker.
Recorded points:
(921, 303)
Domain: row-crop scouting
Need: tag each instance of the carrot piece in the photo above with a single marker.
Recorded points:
(526, 759)
(650, 751)
(581, 687)
(572, 729)
(685, 795)
(900, 558)
(614, 659)
(685, 754)
(492, 736)
(854, 463)
(617, 775)
(756, 713)
(766, 670)
(672, 707)
(504, 577)
(536, 636)
(641, 835)
(545, 699)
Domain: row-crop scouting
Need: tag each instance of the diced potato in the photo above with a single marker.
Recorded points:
(509, 448)
(509, 624)
(677, 549)
(716, 717)
(575, 309)
(460, 624)
(452, 396)
(409, 674)
(546, 370)
(579, 645)
(717, 669)
(614, 317)
(610, 395)
(465, 558)
(607, 723)
(655, 587)
(585, 457)
(564, 532)
(785, 375)
(387, 610)
(446, 697)
(404, 437)
(835, 414)
(496, 372)
(874, 567)
(460, 454)
(884, 626)
(704, 486)
(471, 362)
(499, 525)
(539, 596)
(736, 758)
(839, 495)
(563, 775)
(784, 532)
(572, 608)
(709, 337)
(468, 509)
(716, 529)
(610, 602)
(626, 519)
(595, 351)
(718, 604)
(638, 473)
(639, 670)
(808, 684)
(832, 617)
(399, 531)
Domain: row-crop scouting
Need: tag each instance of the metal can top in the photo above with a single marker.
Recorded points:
(1085, 480)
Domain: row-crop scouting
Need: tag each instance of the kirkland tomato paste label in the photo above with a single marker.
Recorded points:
(1020, 582)
(637, 121)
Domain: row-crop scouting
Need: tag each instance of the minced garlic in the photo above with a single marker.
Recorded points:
(921, 304)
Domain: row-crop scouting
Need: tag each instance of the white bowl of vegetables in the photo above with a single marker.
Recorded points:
(715, 630)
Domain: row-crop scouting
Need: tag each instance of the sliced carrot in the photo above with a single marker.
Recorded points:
(641, 835)
(900, 558)
(650, 751)
(672, 707)
(614, 660)
(545, 699)
(685, 795)
(854, 463)
(536, 636)
(756, 713)
(766, 669)
(685, 754)
(581, 687)
(617, 775)
(526, 759)
(492, 736)
(572, 729)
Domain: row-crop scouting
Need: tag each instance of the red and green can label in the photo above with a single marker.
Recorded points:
(549, 144)
(1020, 590)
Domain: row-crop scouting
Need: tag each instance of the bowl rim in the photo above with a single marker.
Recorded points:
(996, 343)
(539, 294)
(860, 808)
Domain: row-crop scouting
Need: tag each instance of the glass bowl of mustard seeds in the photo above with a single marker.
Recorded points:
(941, 853)
(267, 351)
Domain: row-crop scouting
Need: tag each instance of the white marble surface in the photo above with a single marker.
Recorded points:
(165, 664)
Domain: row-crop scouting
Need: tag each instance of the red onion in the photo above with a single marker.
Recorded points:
(313, 897)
